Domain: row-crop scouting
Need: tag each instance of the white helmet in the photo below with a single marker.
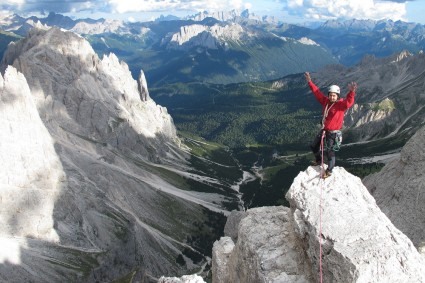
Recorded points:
(334, 88)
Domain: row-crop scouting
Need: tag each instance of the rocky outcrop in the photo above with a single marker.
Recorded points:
(399, 190)
(266, 250)
(143, 87)
(333, 229)
(372, 119)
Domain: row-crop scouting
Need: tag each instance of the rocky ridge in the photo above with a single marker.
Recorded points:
(278, 244)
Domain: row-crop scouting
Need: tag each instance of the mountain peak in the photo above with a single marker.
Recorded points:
(86, 84)
(358, 242)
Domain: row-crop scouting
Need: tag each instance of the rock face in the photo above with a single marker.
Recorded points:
(84, 155)
(266, 250)
(101, 113)
(359, 243)
(399, 190)
(32, 173)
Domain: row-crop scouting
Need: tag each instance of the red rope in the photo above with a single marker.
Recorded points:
(320, 207)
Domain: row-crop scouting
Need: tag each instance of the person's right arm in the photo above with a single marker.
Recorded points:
(316, 91)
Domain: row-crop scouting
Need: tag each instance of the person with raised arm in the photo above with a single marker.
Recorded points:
(334, 108)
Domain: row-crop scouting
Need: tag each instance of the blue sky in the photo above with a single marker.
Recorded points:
(292, 11)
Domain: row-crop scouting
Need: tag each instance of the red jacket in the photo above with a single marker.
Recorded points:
(335, 117)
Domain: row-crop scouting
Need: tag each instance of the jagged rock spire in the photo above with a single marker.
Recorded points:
(143, 87)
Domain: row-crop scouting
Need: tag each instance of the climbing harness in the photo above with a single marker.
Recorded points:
(338, 141)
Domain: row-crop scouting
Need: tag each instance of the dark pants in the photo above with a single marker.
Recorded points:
(329, 142)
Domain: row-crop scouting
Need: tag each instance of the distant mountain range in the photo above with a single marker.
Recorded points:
(230, 47)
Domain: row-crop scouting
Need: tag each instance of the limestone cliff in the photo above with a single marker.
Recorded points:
(210, 37)
(399, 190)
(278, 244)
(32, 173)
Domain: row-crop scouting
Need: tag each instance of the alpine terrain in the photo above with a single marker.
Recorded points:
(103, 179)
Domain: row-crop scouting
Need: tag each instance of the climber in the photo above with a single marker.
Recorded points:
(334, 109)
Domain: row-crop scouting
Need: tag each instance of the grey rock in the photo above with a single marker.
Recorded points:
(266, 250)
(232, 223)
(399, 190)
(222, 250)
(143, 87)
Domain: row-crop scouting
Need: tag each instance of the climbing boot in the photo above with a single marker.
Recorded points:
(327, 174)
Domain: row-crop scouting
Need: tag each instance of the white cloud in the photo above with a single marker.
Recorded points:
(13, 2)
(124, 6)
(302, 9)
(358, 9)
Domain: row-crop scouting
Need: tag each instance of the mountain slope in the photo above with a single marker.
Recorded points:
(96, 184)
(399, 190)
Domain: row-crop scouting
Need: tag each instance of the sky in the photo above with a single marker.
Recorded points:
(290, 11)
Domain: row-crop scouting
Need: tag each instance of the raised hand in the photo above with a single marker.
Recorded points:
(307, 76)
(352, 86)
